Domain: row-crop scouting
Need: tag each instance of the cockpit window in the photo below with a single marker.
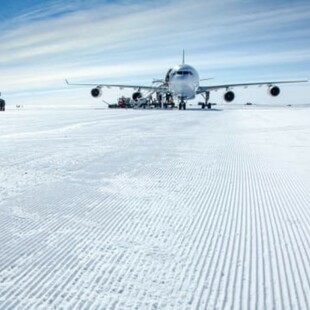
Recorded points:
(184, 73)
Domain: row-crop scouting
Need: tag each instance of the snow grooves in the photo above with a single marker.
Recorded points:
(182, 221)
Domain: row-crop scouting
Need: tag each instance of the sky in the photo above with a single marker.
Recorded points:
(232, 41)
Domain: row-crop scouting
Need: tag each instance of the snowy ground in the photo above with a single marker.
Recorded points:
(155, 209)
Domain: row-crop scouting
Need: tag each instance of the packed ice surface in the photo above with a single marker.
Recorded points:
(134, 209)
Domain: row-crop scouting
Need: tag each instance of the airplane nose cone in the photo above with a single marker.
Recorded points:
(181, 80)
(182, 88)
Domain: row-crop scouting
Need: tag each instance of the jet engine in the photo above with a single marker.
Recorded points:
(136, 96)
(274, 91)
(229, 96)
(96, 92)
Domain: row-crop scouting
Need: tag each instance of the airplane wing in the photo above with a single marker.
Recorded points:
(121, 86)
(203, 89)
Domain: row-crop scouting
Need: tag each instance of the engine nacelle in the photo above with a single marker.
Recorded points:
(136, 96)
(96, 92)
(274, 91)
(229, 96)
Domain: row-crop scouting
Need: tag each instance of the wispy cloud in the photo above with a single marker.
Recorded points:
(135, 41)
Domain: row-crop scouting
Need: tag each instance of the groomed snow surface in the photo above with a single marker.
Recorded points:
(131, 209)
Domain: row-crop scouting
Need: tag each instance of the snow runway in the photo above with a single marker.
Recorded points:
(155, 209)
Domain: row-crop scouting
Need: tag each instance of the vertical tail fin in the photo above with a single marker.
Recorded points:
(183, 60)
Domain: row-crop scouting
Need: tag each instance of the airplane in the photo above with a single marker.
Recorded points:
(183, 83)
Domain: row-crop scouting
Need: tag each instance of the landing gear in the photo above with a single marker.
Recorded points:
(206, 103)
(182, 105)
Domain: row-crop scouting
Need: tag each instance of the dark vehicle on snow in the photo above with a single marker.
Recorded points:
(2, 105)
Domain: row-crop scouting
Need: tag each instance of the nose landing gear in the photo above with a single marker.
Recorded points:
(182, 104)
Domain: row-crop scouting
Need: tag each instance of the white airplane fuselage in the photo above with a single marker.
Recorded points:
(183, 82)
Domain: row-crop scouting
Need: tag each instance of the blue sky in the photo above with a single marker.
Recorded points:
(135, 41)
